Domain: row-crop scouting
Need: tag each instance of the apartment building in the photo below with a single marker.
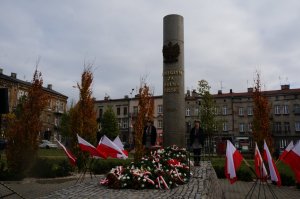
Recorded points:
(234, 112)
(50, 117)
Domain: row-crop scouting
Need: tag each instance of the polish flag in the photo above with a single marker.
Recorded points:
(71, 157)
(260, 169)
(117, 141)
(272, 167)
(110, 148)
(232, 163)
(86, 146)
(293, 160)
(286, 150)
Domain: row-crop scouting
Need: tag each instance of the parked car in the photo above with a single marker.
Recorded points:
(47, 144)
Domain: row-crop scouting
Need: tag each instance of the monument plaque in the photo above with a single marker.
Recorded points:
(173, 81)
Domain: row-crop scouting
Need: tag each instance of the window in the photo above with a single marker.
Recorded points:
(297, 126)
(119, 123)
(250, 110)
(196, 111)
(187, 111)
(250, 127)
(277, 110)
(118, 111)
(242, 127)
(241, 111)
(125, 123)
(100, 113)
(224, 110)
(287, 127)
(285, 109)
(125, 111)
(135, 110)
(277, 127)
(296, 109)
(160, 109)
(225, 126)
(160, 124)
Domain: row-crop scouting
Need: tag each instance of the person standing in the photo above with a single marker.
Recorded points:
(149, 135)
(197, 138)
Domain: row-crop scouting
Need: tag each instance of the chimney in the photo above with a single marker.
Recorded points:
(230, 90)
(13, 75)
(285, 87)
(188, 93)
(194, 93)
(219, 92)
(49, 86)
(1, 71)
(250, 90)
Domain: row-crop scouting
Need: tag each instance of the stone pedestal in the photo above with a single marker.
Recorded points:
(173, 81)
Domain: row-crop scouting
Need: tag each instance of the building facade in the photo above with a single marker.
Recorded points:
(234, 111)
(50, 117)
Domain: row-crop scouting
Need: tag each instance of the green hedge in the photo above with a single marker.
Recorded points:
(51, 168)
(101, 166)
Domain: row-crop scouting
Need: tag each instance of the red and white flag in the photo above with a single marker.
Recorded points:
(272, 166)
(293, 160)
(119, 143)
(86, 146)
(110, 148)
(286, 150)
(260, 169)
(232, 162)
(71, 157)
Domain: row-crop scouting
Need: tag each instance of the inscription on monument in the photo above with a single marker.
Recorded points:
(171, 85)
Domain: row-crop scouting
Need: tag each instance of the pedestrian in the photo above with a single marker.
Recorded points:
(197, 138)
(149, 135)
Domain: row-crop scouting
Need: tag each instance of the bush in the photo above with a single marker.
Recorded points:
(244, 175)
(100, 166)
(50, 168)
(220, 171)
(287, 180)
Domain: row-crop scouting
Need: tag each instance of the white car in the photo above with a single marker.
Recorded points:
(47, 144)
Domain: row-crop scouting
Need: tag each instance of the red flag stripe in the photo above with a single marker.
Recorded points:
(71, 157)
(272, 167)
(232, 162)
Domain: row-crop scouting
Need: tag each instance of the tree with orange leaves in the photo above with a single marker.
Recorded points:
(83, 116)
(146, 112)
(24, 128)
(261, 115)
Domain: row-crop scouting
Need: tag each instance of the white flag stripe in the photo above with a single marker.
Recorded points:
(229, 153)
(270, 163)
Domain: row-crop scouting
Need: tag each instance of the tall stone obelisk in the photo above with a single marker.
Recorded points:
(173, 82)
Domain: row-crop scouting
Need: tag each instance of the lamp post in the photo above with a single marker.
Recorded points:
(129, 120)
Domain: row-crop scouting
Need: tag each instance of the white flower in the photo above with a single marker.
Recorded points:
(144, 180)
(139, 179)
(128, 177)
(125, 184)
(143, 185)
(170, 182)
(156, 186)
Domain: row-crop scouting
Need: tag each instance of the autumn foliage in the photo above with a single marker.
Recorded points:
(83, 115)
(261, 113)
(146, 111)
(23, 128)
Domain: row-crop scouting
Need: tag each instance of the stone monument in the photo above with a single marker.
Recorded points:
(173, 81)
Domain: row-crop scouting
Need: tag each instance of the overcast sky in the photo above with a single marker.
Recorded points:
(225, 42)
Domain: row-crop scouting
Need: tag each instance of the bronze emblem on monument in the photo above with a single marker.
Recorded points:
(171, 52)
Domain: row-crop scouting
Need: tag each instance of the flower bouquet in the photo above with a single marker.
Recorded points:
(160, 169)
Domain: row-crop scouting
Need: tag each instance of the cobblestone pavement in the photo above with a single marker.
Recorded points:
(89, 188)
(240, 189)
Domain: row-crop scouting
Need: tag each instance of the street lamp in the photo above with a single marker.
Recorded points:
(129, 119)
